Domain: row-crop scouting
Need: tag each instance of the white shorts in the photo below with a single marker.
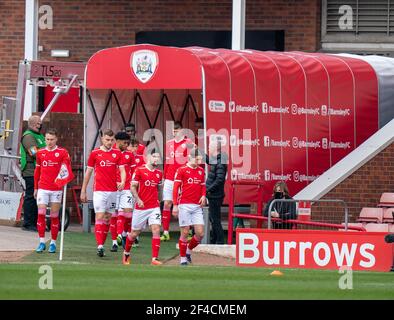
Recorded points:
(124, 200)
(153, 216)
(168, 189)
(46, 196)
(104, 201)
(190, 215)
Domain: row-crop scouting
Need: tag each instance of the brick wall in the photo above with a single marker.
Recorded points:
(361, 189)
(84, 27)
(12, 43)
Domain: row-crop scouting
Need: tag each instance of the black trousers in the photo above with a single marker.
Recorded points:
(217, 234)
(30, 210)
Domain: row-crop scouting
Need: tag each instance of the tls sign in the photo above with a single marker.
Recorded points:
(313, 249)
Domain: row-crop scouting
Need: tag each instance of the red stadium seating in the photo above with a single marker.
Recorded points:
(377, 227)
(387, 200)
(371, 215)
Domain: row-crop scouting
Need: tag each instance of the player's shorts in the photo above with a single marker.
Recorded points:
(190, 214)
(153, 216)
(124, 200)
(167, 190)
(46, 196)
(104, 201)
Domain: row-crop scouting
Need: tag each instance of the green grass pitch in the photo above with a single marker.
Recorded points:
(82, 275)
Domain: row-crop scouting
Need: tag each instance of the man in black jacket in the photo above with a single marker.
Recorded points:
(215, 189)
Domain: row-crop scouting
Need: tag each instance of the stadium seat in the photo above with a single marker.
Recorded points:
(371, 215)
(388, 215)
(377, 227)
(386, 200)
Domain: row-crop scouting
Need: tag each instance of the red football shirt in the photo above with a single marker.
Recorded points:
(48, 163)
(148, 181)
(128, 161)
(140, 149)
(176, 156)
(105, 165)
(138, 162)
(192, 185)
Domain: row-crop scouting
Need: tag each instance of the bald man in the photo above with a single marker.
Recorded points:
(32, 141)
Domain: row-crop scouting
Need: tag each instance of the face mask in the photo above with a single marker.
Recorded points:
(278, 195)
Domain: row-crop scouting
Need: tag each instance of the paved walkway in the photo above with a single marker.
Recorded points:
(16, 239)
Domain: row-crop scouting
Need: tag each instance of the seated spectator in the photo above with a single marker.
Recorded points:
(282, 210)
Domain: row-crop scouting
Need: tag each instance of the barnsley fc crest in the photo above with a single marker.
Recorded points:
(144, 64)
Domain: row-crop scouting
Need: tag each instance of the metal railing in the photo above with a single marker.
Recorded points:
(323, 224)
(232, 215)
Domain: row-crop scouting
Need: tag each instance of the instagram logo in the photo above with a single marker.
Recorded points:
(295, 142)
(296, 176)
(294, 108)
(267, 175)
(323, 110)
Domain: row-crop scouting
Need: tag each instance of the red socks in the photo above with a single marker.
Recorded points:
(101, 229)
(155, 246)
(41, 222)
(98, 230)
(120, 223)
(165, 219)
(54, 225)
(194, 242)
(182, 247)
(112, 226)
(127, 222)
(129, 243)
(105, 229)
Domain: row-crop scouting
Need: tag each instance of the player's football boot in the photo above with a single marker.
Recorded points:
(52, 248)
(100, 252)
(119, 239)
(165, 237)
(126, 259)
(114, 248)
(41, 247)
(183, 263)
(189, 258)
(156, 262)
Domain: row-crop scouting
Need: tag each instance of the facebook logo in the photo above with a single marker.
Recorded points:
(231, 106)
(267, 175)
(266, 141)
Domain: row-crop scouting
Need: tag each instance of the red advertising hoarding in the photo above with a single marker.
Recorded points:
(310, 249)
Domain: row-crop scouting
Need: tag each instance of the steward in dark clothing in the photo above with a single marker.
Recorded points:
(282, 210)
(215, 194)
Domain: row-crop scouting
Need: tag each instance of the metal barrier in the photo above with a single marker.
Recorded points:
(260, 218)
(314, 223)
(231, 213)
